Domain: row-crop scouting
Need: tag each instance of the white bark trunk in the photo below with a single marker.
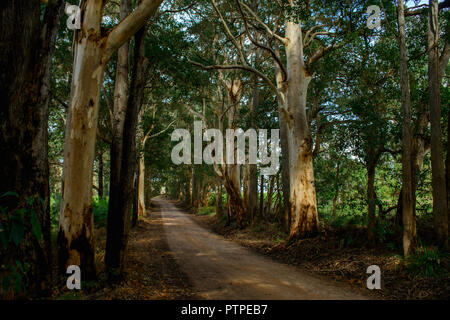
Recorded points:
(141, 187)
(92, 52)
(76, 241)
(302, 198)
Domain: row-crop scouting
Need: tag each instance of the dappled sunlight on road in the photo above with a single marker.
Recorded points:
(220, 269)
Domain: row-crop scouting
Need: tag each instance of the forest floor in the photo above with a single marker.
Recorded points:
(151, 272)
(176, 255)
(327, 256)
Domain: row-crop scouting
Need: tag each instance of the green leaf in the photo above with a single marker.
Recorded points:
(19, 215)
(30, 201)
(17, 231)
(10, 193)
(36, 225)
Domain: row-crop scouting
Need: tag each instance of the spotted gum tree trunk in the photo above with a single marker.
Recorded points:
(141, 188)
(302, 198)
(233, 172)
(92, 52)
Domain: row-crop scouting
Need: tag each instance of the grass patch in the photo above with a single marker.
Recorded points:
(206, 211)
(427, 263)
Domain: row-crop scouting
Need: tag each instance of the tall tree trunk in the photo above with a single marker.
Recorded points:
(121, 204)
(147, 182)
(219, 203)
(92, 53)
(195, 189)
(447, 166)
(302, 198)
(233, 187)
(141, 187)
(270, 195)
(100, 172)
(408, 217)
(336, 192)
(232, 172)
(120, 107)
(440, 212)
(371, 199)
(252, 205)
(25, 71)
(285, 180)
(75, 238)
(135, 196)
(261, 198)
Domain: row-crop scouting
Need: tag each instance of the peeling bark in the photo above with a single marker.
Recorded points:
(92, 52)
(302, 198)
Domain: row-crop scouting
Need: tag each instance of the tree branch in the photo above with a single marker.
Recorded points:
(129, 26)
(237, 66)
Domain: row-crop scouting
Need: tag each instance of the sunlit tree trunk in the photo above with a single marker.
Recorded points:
(232, 172)
(302, 198)
(76, 239)
(141, 187)
(147, 182)
(92, 53)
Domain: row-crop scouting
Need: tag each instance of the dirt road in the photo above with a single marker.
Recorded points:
(220, 269)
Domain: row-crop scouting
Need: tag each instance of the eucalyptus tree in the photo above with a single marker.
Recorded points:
(440, 210)
(93, 49)
(302, 48)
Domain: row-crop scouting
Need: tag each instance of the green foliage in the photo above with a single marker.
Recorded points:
(55, 204)
(427, 262)
(100, 208)
(17, 277)
(14, 223)
(203, 211)
(384, 230)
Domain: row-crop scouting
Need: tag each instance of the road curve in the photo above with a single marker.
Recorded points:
(221, 269)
